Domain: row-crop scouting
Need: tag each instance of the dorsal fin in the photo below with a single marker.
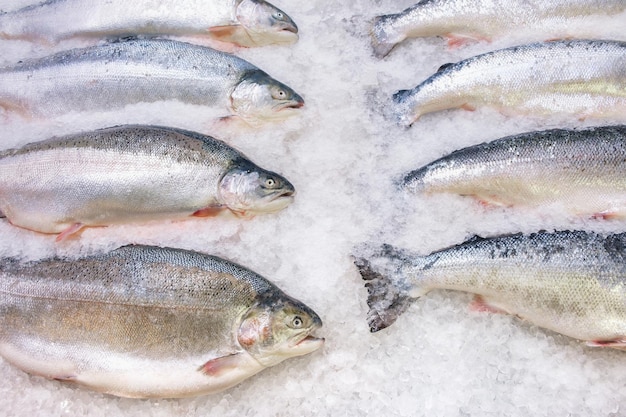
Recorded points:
(445, 66)
(475, 238)
(130, 37)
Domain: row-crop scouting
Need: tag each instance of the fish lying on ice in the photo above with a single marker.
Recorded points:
(460, 20)
(131, 174)
(242, 22)
(116, 74)
(573, 283)
(580, 171)
(582, 78)
(145, 321)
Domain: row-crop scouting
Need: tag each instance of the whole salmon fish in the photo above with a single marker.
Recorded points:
(573, 283)
(113, 75)
(461, 20)
(131, 174)
(242, 22)
(583, 78)
(145, 321)
(581, 171)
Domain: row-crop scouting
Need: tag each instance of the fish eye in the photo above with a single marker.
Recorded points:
(297, 322)
(270, 182)
(279, 16)
(279, 93)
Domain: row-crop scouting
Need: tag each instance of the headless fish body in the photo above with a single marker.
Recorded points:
(486, 19)
(573, 283)
(148, 322)
(582, 171)
(114, 75)
(242, 22)
(131, 174)
(581, 78)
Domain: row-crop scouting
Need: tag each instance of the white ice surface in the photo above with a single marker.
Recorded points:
(438, 359)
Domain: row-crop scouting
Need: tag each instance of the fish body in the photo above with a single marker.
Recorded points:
(485, 19)
(583, 78)
(131, 174)
(581, 171)
(243, 22)
(145, 321)
(573, 283)
(117, 74)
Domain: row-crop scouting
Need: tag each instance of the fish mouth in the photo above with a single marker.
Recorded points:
(276, 201)
(284, 194)
(291, 105)
(311, 340)
(306, 343)
(290, 29)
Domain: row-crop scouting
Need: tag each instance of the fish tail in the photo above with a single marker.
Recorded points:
(401, 109)
(413, 181)
(387, 290)
(380, 39)
(3, 17)
(401, 96)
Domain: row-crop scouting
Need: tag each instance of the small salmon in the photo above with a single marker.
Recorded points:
(114, 75)
(463, 20)
(573, 283)
(242, 22)
(582, 78)
(581, 171)
(145, 322)
(131, 174)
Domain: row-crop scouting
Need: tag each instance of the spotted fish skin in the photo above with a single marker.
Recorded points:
(582, 78)
(582, 172)
(148, 322)
(111, 76)
(129, 174)
(462, 20)
(242, 22)
(571, 282)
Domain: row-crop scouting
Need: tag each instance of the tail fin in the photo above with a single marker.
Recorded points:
(400, 96)
(387, 298)
(380, 38)
(412, 181)
(380, 47)
(402, 109)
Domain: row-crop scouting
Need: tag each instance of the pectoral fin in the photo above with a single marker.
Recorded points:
(210, 211)
(617, 343)
(479, 304)
(607, 215)
(65, 378)
(456, 40)
(468, 107)
(233, 34)
(217, 366)
(69, 231)
(9, 106)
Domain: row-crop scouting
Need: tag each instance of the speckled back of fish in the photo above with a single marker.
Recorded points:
(142, 321)
(243, 22)
(581, 172)
(571, 282)
(463, 20)
(581, 78)
(108, 76)
(131, 174)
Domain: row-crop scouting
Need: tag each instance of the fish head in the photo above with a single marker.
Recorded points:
(246, 188)
(265, 24)
(278, 327)
(259, 97)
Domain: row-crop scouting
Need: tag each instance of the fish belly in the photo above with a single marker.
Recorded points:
(56, 20)
(57, 189)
